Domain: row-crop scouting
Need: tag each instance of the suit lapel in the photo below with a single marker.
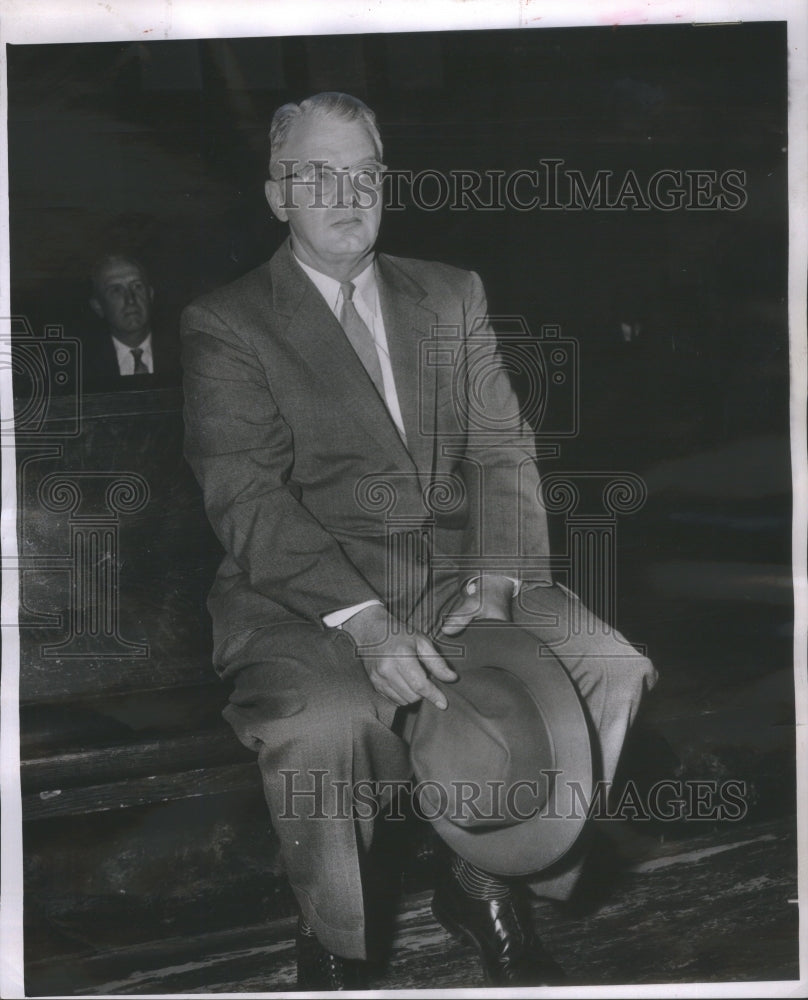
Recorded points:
(408, 325)
(318, 338)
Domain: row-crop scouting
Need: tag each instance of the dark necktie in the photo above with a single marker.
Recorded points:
(360, 337)
(140, 367)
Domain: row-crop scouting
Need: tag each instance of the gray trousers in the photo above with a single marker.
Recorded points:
(303, 702)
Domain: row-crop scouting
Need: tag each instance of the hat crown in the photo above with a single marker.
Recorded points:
(488, 759)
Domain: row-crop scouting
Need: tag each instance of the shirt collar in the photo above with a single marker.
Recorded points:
(124, 351)
(329, 288)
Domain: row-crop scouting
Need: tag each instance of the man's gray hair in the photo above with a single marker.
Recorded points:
(102, 263)
(332, 104)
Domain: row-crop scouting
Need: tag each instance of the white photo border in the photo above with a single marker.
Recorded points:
(45, 21)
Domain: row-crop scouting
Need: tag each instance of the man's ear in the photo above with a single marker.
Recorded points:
(95, 305)
(275, 198)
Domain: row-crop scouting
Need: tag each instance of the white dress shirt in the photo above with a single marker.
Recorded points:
(126, 360)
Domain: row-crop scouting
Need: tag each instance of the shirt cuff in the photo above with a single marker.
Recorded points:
(336, 619)
(471, 585)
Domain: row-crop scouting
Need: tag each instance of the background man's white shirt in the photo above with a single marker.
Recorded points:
(126, 360)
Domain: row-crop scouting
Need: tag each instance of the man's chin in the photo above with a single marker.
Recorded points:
(351, 239)
(342, 252)
(346, 251)
(133, 335)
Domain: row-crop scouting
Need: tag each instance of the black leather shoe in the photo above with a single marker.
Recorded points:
(502, 932)
(320, 970)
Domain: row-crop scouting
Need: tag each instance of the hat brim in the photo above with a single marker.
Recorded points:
(540, 841)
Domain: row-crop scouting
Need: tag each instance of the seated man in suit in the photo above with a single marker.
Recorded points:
(310, 416)
(122, 297)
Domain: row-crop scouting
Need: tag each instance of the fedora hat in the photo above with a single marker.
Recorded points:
(504, 773)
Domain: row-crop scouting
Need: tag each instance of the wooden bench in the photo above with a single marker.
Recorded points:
(143, 814)
(119, 703)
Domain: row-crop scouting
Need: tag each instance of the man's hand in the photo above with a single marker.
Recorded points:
(398, 665)
(485, 597)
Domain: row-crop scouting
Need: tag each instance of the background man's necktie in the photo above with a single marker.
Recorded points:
(140, 367)
(360, 336)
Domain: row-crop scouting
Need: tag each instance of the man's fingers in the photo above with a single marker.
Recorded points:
(467, 605)
(456, 621)
(408, 679)
(389, 692)
(460, 615)
(405, 677)
(394, 696)
(453, 624)
(439, 668)
(434, 694)
(413, 683)
(408, 692)
(434, 662)
(402, 693)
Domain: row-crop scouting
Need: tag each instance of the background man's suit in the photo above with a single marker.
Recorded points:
(100, 370)
(284, 427)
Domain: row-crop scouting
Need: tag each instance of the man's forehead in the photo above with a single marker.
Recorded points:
(335, 140)
(116, 271)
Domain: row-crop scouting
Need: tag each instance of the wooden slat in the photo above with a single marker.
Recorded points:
(103, 405)
(134, 760)
(63, 679)
(52, 803)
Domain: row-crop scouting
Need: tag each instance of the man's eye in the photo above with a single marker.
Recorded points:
(313, 172)
(370, 176)
(367, 175)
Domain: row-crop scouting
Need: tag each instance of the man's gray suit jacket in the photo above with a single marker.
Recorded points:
(311, 490)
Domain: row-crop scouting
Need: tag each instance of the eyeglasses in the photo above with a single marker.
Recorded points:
(326, 180)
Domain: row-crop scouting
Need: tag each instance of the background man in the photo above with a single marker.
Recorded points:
(122, 297)
(304, 386)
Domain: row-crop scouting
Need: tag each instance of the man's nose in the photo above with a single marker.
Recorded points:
(345, 191)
